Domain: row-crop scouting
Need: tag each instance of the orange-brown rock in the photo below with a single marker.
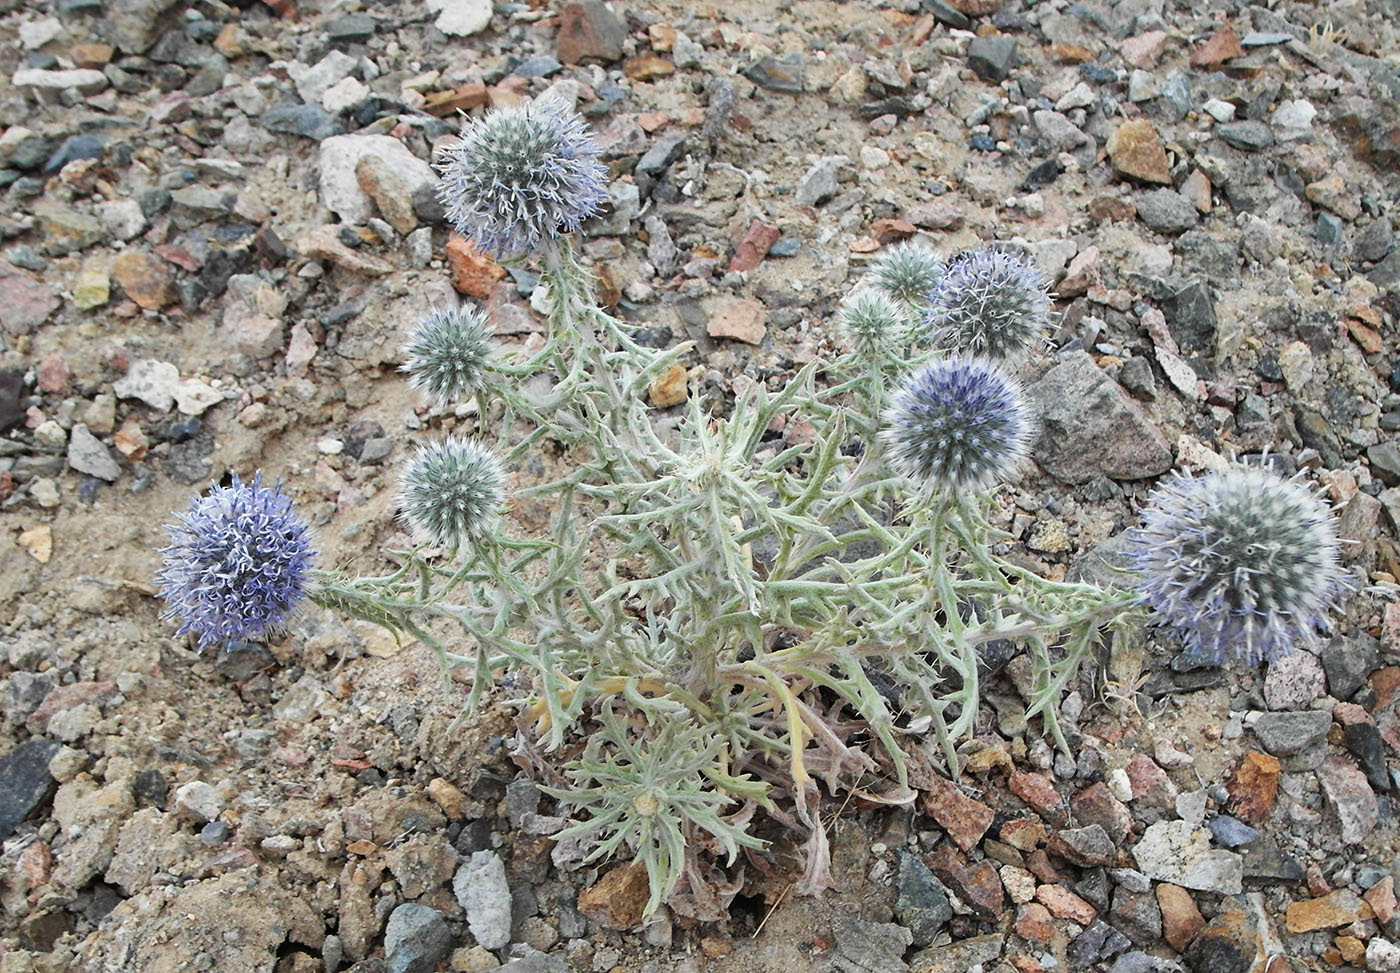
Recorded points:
(1135, 149)
(461, 98)
(1181, 920)
(1223, 45)
(739, 318)
(147, 279)
(1253, 788)
(473, 272)
(1339, 908)
(669, 388)
(617, 900)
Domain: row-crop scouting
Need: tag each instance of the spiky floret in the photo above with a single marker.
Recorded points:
(908, 272)
(452, 491)
(237, 563)
(872, 322)
(1241, 563)
(957, 424)
(448, 353)
(988, 303)
(520, 176)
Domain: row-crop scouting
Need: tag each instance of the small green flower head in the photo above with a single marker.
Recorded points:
(1242, 564)
(452, 492)
(872, 323)
(448, 355)
(908, 272)
(957, 425)
(988, 303)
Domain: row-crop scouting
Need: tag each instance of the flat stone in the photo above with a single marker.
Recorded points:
(1179, 853)
(819, 183)
(1096, 944)
(416, 939)
(313, 82)
(86, 454)
(875, 946)
(473, 272)
(461, 18)
(25, 302)
(787, 75)
(1167, 211)
(992, 57)
(1096, 805)
(979, 885)
(28, 783)
(966, 820)
(740, 318)
(1087, 847)
(1334, 193)
(340, 185)
(1286, 734)
(1222, 46)
(152, 381)
(1136, 150)
(921, 902)
(1339, 908)
(1231, 832)
(589, 31)
(1091, 427)
(1058, 132)
(391, 196)
(199, 801)
(617, 899)
(1294, 681)
(1251, 136)
(323, 243)
(958, 956)
(482, 891)
(147, 279)
(65, 229)
(86, 80)
(308, 121)
(1350, 796)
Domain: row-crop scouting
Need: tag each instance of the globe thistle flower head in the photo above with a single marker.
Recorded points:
(521, 176)
(452, 491)
(957, 424)
(1241, 563)
(872, 322)
(908, 272)
(237, 564)
(448, 354)
(988, 303)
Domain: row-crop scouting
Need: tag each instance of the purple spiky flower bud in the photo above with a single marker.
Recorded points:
(957, 424)
(1241, 563)
(522, 176)
(448, 354)
(452, 491)
(237, 564)
(988, 303)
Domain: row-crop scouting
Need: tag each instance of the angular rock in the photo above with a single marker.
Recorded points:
(959, 956)
(461, 18)
(323, 243)
(1090, 427)
(1285, 734)
(1339, 908)
(922, 902)
(992, 57)
(340, 186)
(147, 279)
(152, 381)
(740, 318)
(819, 183)
(787, 75)
(1167, 211)
(1350, 796)
(1237, 938)
(874, 946)
(1086, 847)
(308, 121)
(25, 302)
(1136, 150)
(966, 820)
(86, 454)
(589, 31)
(28, 783)
(416, 939)
(1179, 853)
(391, 195)
(1181, 919)
(481, 889)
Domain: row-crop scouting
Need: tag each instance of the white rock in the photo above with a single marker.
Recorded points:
(340, 191)
(1221, 111)
(1382, 954)
(85, 80)
(194, 397)
(151, 381)
(481, 889)
(34, 34)
(1293, 119)
(50, 435)
(86, 454)
(313, 82)
(199, 800)
(122, 218)
(1120, 785)
(1177, 852)
(1059, 132)
(1143, 86)
(873, 157)
(344, 95)
(1296, 363)
(1080, 96)
(1052, 256)
(461, 18)
(300, 702)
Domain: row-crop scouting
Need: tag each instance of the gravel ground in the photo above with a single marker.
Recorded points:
(218, 227)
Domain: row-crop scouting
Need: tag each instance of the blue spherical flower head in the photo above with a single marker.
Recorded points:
(988, 303)
(237, 564)
(520, 177)
(448, 355)
(452, 491)
(1241, 563)
(957, 424)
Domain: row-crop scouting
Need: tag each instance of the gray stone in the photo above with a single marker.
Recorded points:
(1350, 796)
(1387, 272)
(416, 940)
(313, 82)
(819, 183)
(1140, 962)
(1348, 662)
(959, 956)
(1090, 427)
(1058, 132)
(197, 204)
(1136, 376)
(199, 800)
(1251, 136)
(1180, 853)
(1167, 211)
(1285, 734)
(301, 701)
(1328, 230)
(24, 691)
(86, 454)
(659, 157)
(1364, 742)
(992, 58)
(922, 904)
(350, 28)
(1376, 241)
(1190, 315)
(536, 962)
(134, 25)
(27, 781)
(308, 121)
(1385, 462)
(787, 75)
(869, 947)
(339, 185)
(1231, 832)
(482, 891)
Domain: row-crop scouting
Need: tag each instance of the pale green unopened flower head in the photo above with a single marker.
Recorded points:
(908, 272)
(448, 354)
(872, 322)
(452, 491)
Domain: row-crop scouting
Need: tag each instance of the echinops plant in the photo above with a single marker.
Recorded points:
(714, 621)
